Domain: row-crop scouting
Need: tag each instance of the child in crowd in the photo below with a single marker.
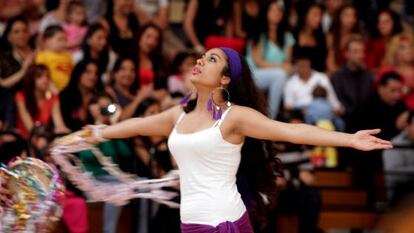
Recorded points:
(55, 56)
(181, 68)
(75, 26)
(320, 109)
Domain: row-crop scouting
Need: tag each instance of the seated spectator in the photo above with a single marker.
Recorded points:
(123, 27)
(320, 109)
(400, 58)
(149, 58)
(309, 36)
(386, 99)
(117, 150)
(344, 26)
(399, 164)
(57, 14)
(36, 105)
(95, 48)
(16, 55)
(269, 54)
(353, 83)
(208, 18)
(154, 161)
(157, 12)
(124, 87)
(75, 24)
(181, 68)
(388, 25)
(299, 88)
(56, 57)
(84, 84)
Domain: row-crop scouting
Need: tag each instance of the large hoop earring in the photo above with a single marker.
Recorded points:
(214, 106)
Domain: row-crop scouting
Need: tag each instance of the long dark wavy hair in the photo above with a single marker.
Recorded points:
(259, 165)
(336, 28)
(263, 27)
(156, 54)
(4, 41)
(71, 96)
(29, 86)
(103, 57)
(318, 33)
(396, 23)
(117, 66)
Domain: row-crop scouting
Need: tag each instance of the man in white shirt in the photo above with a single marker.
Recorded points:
(299, 88)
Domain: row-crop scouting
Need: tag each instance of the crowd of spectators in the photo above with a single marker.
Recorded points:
(64, 63)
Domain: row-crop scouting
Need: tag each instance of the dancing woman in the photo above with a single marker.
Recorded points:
(209, 146)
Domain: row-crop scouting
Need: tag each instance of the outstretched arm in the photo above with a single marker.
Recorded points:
(157, 125)
(251, 123)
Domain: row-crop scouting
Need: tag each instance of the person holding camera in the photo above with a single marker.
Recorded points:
(101, 110)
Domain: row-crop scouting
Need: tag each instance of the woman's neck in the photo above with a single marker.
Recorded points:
(142, 55)
(123, 89)
(22, 52)
(345, 31)
(85, 92)
(94, 54)
(307, 30)
(119, 15)
(272, 28)
(40, 95)
(202, 100)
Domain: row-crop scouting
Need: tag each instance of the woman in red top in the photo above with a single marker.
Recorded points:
(345, 24)
(388, 25)
(36, 105)
(149, 54)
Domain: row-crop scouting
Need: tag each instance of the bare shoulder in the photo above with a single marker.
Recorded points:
(239, 114)
(174, 112)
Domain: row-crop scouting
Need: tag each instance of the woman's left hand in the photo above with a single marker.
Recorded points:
(365, 141)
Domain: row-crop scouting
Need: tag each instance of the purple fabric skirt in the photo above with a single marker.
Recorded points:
(242, 225)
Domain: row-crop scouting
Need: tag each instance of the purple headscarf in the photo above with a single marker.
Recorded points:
(234, 61)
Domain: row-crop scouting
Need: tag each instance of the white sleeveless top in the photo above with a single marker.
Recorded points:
(208, 165)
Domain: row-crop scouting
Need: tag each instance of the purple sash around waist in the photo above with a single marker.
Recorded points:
(242, 225)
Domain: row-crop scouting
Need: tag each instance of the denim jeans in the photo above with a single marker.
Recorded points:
(272, 81)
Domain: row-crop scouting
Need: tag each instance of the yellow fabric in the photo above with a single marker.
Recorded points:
(60, 67)
(325, 155)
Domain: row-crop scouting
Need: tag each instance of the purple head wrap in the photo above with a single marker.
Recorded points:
(234, 61)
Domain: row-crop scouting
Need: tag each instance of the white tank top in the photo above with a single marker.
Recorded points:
(208, 165)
